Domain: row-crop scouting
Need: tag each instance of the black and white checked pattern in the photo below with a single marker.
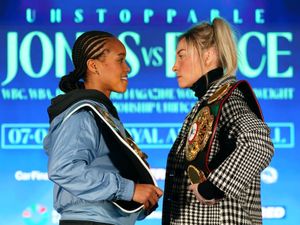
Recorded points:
(238, 176)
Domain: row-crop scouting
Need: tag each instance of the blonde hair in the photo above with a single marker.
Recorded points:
(219, 35)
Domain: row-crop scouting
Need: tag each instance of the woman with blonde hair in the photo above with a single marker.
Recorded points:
(213, 169)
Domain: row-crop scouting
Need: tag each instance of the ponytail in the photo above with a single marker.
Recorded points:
(70, 82)
(226, 45)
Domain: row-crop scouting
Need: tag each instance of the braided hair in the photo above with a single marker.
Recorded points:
(89, 45)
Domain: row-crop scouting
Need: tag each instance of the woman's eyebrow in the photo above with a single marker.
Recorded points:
(180, 50)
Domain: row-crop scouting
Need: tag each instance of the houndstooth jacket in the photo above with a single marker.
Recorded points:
(238, 176)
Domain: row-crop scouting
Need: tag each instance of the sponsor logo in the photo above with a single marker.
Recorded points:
(269, 175)
(36, 214)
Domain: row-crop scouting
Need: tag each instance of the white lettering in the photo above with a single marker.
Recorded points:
(34, 175)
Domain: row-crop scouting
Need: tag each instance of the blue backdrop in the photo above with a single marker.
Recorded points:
(36, 39)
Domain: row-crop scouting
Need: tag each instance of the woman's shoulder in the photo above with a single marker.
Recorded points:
(80, 116)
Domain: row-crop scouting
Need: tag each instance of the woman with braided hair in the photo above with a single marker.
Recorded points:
(213, 169)
(86, 166)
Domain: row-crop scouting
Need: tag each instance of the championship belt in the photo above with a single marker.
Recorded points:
(124, 153)
(108, 118)
(199, 135)
(219, 94)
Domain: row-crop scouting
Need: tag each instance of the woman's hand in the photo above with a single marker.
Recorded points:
(201, 199)
(147, 194)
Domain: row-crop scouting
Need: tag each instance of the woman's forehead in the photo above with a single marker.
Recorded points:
(182, 44)
(115, 45)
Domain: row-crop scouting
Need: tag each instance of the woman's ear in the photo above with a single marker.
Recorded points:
(91, 66)
(210, 57)
(206, 57)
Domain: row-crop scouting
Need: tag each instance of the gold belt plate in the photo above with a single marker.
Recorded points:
(195, 175)
(220, 93)
(199, 133)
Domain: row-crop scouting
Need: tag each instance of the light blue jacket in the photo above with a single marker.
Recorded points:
(86, 181)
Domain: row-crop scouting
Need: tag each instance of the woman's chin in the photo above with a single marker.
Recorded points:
(182, 85)
(121, 89)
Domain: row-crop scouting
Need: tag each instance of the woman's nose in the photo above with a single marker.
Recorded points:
(174, 68)
(127, 68)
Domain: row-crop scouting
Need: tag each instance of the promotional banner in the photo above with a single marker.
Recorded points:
(36, 39)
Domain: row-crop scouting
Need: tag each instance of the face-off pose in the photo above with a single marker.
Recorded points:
(89, 167)
(214, 166)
